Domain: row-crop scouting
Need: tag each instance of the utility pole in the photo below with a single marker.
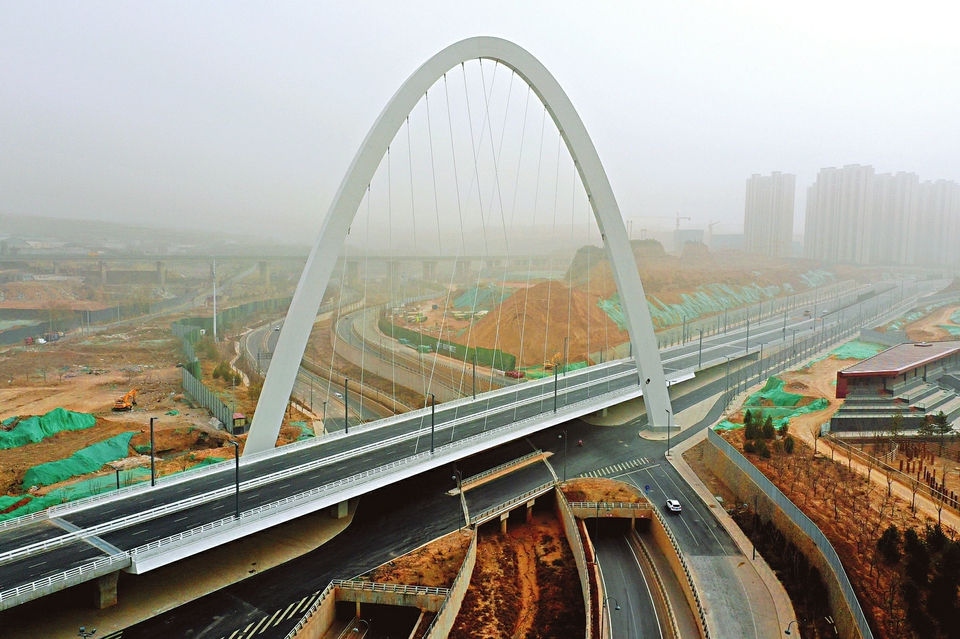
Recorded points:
(214, 300)
(346, 403)
(433, 415)
(700, 351)
(153, 466)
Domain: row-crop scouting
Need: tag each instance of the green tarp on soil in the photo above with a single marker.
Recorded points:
(857, 350)
(773, 392)
(784, 405)
(306, 431)
(34, 429)
(85, 460)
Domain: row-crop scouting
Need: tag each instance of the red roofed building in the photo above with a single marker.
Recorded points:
(894, 368)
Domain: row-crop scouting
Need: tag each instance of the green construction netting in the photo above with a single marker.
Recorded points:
(306, 431)
(483, 297)
(773, 392)
(34, 429)
(708, 299)
(955, 317)
(856, 349)
(86, 460)
(784, 405)
(537, 372)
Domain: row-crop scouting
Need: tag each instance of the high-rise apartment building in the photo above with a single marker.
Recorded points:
(855, 215)
(768, 214)
(838, 225)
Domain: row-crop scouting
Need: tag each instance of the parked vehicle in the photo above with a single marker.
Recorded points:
(515, 374)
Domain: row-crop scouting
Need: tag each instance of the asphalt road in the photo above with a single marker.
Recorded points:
(625, 585)
(604, 448)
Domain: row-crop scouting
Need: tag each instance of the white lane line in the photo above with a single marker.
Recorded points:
(293, 609)
(302, 602)
(643, 578)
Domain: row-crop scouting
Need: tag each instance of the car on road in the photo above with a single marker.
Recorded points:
(673, 505)
(515, 374)
(338, 395)
(276, 328)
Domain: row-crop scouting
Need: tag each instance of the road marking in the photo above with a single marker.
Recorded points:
(302, 601)
(280, 618)
(293, 609)
(643, 578)
(35, 565)
(262, 630)
(181, 519)
(613, 468)
(140, 532)
(257, 627)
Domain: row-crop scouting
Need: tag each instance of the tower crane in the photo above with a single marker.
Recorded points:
(667, 217)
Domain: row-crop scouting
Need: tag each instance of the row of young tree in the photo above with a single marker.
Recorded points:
(758, 431)
(928, 564)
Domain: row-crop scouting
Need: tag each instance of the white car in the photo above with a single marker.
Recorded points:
(338, 395)
(673, 505)
(276, 328)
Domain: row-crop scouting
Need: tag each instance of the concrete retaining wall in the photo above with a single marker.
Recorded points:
(850, 622)
(667, 548)
(565, 513)
(443, 622)
(319, 618)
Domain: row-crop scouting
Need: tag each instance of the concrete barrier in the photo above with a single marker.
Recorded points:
(442, 624)
(746, 481)
(572, 531)
(668, 546)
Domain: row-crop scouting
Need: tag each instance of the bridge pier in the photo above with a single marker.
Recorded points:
(340, 510)
(530, 510)
(503, 522)
(105, 590)
(462, 272)
(353, 273)
(429, 271)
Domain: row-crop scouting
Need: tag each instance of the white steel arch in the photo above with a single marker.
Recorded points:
(316, 274)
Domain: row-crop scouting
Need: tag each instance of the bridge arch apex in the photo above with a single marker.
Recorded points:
(316, 273)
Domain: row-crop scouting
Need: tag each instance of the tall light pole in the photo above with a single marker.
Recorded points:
(668, 430)
(433, 414)
(458, 477)
(556, 383)
(700, 350)
(748, 336)
(784, 323)
(346, 404)
(214, 263)
(683, 331)
(153, 456)
(564, 436)
(474, 375)
(236, 476)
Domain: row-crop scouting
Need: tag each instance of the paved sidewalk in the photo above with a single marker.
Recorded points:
(757, 577)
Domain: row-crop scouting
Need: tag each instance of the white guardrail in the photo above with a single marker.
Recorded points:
(69, 577)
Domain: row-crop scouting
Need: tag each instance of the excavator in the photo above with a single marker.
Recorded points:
(127, 402)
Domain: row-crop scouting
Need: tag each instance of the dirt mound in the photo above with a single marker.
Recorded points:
(609, 490)
(520, 325)
(434, 565)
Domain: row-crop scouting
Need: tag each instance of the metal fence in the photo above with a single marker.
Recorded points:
(801, 521)
(206, 397)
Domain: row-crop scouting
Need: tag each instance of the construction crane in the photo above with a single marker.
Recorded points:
(666, 217)
(710, 232)
(127, 402)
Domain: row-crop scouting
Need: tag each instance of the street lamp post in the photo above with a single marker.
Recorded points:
(433, 414)
(458, 477)
(564, 436)
(556, 382)
(787, 631)
(683, 331)
(668, 430)
(236, 476)
(603, 612)
(700, 350)
(153, 464)
(474, 375)
(325, 411)
(346, 404)
(748, 336)
(118, 478)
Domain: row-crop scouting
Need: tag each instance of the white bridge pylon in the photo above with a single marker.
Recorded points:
(306, 301)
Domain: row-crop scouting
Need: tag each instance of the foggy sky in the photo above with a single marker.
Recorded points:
(245, 116)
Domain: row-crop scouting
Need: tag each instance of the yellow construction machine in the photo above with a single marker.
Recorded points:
(127, 402)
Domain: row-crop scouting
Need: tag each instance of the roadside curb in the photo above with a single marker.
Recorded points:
(784, 607)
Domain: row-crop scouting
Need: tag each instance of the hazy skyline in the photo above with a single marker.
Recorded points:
(244, 118)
